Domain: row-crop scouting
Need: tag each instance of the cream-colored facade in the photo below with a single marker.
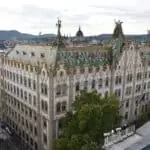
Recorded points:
(36, 91)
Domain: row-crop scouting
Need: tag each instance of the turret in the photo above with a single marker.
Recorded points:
(59, 39)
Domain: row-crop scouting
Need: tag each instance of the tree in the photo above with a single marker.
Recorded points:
(84, 127)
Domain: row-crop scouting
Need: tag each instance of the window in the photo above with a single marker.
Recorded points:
(129, 78)
(106, 94)
(144, 86)
(14, 89)
(100, 84)
(93, 84)
(34, 85)
(64, 104)
(14, 77)
(44, 123)
(135, 112)
(42, 55)
(44, 89)
(64, 90)
(17, 91)
(24, 53)
(21, 93)
(17, 78)
(118, 92)
(139, 76)
(30, 99)
(138, 88)
(85, 85)
(58, 107)
(44, 105)
(32, 54)
(61, 73)
(143, 109)
(136, 103)
(118, 80)
(25, 81)
(146, 108)
(58, 90)
(29, 83)
(149, 74)
(148, 85)
(45, 139)
(31, 141)
(35, 131)
(77, 86)
(34, 100)
(128, 91)
(25, 95)
(30, 113)
(145, 75)
(126, 115)
(127, 103)
(107, 82)
(20, 79)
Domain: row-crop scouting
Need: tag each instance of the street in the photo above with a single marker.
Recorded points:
(7, 145)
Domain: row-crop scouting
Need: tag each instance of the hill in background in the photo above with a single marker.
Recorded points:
(16, 35)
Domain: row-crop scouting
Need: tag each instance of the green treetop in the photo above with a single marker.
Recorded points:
(84, 127)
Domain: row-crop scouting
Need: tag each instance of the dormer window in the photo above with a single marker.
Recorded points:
(42, 55)
(17, 52)
(32, 54)
(24, 53)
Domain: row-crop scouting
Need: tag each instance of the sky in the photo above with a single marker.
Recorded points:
(94, 16)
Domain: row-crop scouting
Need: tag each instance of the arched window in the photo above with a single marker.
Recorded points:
(58, 90)
(42, 88)
(58, 107)
(42, 104)
(129, 78)
(77, 86)
(93, 84)
(21, 93)
(139, 76)
(100, 84)
(64, 89)
(30, 99)
(46, 107)
(25, 95)
(118, 80)
(107, 82)
(64, 104)
(85, 85)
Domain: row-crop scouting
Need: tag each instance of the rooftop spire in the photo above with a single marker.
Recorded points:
(59, 39)
(58, 25)
(118, 32)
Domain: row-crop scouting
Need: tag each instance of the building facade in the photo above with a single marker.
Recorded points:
(40, 82)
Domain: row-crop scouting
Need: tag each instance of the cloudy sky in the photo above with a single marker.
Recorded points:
(94, 16)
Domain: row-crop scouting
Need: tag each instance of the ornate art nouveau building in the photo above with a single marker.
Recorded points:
(40, 82)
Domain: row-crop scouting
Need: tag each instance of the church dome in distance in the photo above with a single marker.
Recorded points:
(79, 33)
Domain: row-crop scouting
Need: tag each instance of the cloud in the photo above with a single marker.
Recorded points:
(122, 12)
(32, 11)
(42, 15)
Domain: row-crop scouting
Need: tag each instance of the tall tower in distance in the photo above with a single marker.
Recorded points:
(148, 37)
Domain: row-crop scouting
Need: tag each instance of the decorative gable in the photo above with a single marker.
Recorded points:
(129, 57)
